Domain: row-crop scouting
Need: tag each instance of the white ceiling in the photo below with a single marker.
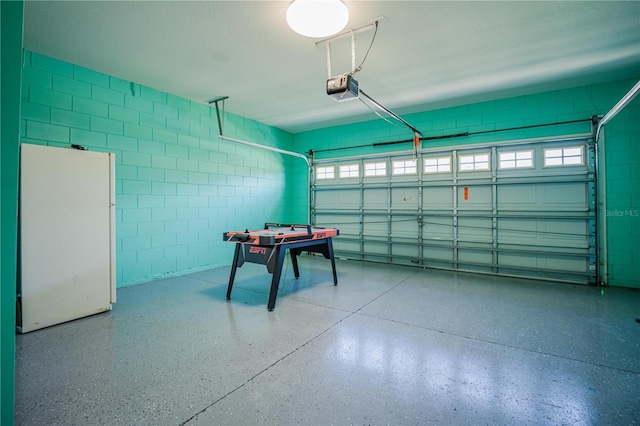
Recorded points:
(426, 55)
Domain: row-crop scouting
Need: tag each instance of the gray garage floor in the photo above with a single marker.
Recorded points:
(388, 345)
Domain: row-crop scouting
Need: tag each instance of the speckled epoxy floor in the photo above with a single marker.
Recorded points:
(388, 345)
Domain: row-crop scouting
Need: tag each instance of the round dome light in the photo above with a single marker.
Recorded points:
(317, 18)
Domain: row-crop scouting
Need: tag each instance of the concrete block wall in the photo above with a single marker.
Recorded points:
(622, 211)
(178, 187)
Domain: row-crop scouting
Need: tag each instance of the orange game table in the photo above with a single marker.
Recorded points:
(268, 247)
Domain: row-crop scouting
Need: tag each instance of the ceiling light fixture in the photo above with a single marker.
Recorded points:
(317, 18)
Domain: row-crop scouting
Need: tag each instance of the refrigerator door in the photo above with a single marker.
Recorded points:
(67, 235)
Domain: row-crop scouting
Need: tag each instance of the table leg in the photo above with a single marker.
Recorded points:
(275, 281)
(294, 261)
(234, 266)
(333, 261)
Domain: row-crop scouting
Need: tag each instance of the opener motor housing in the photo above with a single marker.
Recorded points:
(343, 87)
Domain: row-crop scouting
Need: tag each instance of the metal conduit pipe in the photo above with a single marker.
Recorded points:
(281, 151)
(269, 148)
(603, 270)
(618, 107)
(257, 145)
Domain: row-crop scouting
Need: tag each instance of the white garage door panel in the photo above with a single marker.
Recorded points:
(343, 245)
(521, 260)
(532, 220)
(478, 197)
(438, 254)
(348, 226)
(518, 231)
(545, 198)
(405, 229)
(550, 234)
(372, 247)
(375, 227)
(517, 197)
(564, 194)
(475, 229)
(437, 199)
(404, 199)
(375, 198)
(338, 200)
(560, 263)
(475, 257)
(410, 252)
(437, 228)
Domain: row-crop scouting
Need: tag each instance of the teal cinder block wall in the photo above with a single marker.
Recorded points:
(178, 187)
(622, 151)
(622, 148)
(11, 18)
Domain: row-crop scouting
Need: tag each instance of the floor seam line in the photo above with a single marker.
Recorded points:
(502, 344)
(267, 368)
(384, 292)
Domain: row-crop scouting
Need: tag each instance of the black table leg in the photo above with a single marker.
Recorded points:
(234, 266)
(294, 261)
(333, 261)
(275, 281)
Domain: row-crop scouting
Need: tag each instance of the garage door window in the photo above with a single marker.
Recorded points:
(327, 172)
(474, 162)
(349, 171)
(437, 165)
(570, 156)
(516, 159)
(404, 167)
(375, 169)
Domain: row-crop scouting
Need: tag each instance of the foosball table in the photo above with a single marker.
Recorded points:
(268, 247)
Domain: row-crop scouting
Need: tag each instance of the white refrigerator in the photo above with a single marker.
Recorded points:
(67, 235)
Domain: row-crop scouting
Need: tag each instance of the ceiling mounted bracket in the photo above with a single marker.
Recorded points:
(364, 28)
(353, 55)
(351, 33)
(220, 120)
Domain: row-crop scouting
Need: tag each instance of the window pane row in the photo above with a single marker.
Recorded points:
(554, 157)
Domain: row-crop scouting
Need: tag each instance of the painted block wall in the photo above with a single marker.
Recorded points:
(178, 187)
(622, 150)
(575, 104)
(11, 19)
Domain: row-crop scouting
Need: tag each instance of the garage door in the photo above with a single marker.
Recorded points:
(525, 208)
